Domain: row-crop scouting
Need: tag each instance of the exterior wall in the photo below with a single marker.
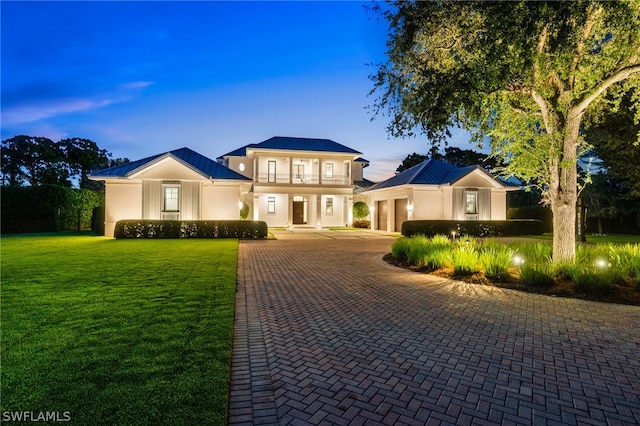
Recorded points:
(428, 204)
(238, 163)
(220, 202)
(122, 201)
(338, 217)
(280, 217)
(498, 204)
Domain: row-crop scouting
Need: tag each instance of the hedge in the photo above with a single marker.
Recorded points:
(540, 213)
(476, 228)
(47, 208)
(244, 229)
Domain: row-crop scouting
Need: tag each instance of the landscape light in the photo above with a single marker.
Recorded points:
(517, 260)
(601, 263)
(453, 235)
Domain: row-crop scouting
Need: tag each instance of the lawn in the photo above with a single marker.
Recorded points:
(117, 331)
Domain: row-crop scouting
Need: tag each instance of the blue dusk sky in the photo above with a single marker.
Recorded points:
(140, 78)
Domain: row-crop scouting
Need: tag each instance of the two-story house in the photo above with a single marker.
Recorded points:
(286, 182)
(298, 182)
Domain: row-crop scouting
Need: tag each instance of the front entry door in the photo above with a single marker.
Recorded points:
(298, 213)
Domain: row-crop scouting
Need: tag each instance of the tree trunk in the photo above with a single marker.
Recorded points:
(564, 193)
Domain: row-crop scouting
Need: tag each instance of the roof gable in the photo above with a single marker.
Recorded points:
(202, 165)
(431, 172)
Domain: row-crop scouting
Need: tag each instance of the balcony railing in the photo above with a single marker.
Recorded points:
(302, 179)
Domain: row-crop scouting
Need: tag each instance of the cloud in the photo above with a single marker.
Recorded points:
(135, 85)
(45, 109)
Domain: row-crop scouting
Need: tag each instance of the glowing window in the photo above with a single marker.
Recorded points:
(171, 194)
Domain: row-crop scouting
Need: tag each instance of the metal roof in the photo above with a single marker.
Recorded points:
(198, 162)
(429, 172)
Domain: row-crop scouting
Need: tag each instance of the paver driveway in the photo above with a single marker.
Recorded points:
(328, 333)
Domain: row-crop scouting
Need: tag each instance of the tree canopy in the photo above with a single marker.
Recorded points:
(34, 161)
(524, 74)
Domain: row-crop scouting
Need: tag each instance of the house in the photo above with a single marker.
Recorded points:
(436, 190)
(299, 182)
(179, 184)
(294, 182)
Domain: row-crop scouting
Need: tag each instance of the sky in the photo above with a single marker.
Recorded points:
(142, 78)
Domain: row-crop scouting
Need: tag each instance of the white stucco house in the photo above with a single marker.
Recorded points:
(436, 190)
(294, 182)
(298, 182)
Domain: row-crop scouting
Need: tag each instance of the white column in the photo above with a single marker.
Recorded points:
(318, 211)
(256, 207)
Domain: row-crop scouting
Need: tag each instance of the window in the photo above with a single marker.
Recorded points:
(272, 171)
(328, 170)
(329, 205)
(471, 202)
(171, 198)
(298, 171)
(271, 205)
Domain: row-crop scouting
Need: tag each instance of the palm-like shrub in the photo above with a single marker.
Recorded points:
(495, 261)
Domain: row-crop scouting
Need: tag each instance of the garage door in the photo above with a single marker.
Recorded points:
(381, 207)
(401, 213)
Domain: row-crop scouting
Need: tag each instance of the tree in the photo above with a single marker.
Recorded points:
(613, 135)
(453, 155)
(33, 160)
(525, 74)
(82, 156)
(410, 161)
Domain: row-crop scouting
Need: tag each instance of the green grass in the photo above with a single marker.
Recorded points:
(118, 331)
(597, 239)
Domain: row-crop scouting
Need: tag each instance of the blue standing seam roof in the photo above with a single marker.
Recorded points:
(429, 172)
(294, 144)
(201, 164)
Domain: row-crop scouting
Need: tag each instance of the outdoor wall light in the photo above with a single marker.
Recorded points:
(409, 207)
(240, 204)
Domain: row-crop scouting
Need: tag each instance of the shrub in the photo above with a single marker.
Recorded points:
(592, 281)
(366, 224)
(626, 259)
(190, 229)
(465, 261)
(419, 248)
(537, 275)
(360, 210)
(244, 211)
(400, 248)
(496, 260)
(477, 228)
(440, 241)
(438, 258)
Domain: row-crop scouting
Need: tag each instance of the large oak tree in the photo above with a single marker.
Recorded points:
(525, 74)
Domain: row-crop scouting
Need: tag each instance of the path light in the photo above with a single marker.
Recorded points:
(517, 260)
(453, 235)
(601, 263)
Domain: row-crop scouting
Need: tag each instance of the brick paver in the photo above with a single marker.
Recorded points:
(328, 333)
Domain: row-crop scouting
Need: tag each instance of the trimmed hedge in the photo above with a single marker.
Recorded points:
(540, 213)
(366, 224)
(476, 228)
(47, 208)
(244, 229)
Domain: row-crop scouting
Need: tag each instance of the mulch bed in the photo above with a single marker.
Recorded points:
(621, 294)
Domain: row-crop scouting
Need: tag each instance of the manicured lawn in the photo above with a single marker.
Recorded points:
(118, 331)
(599, 239)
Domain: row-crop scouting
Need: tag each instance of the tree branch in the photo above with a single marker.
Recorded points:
(586, 30)
(546, 112)
(617, 77)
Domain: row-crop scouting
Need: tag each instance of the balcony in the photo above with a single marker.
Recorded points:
(302, 179)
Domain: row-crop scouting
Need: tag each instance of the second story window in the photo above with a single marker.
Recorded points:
(328, 170)
(271, 177)
(298, 171)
